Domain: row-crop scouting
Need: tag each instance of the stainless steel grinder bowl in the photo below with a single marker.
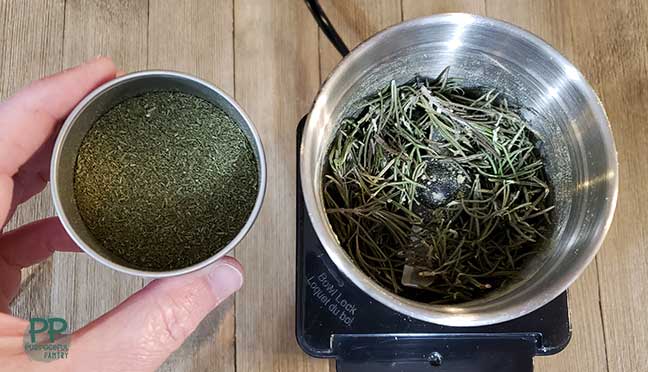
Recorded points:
(579, 151)
(96, 104)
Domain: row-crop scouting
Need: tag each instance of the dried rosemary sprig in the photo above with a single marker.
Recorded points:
(440, 184)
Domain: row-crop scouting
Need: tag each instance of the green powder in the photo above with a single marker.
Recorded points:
(165, 180)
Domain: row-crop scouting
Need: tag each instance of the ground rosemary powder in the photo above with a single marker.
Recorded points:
(165, 179)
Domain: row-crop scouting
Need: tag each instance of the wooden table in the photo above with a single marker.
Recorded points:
(272, 58)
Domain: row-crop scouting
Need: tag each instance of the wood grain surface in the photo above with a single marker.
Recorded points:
(272, 58)
(276, 77)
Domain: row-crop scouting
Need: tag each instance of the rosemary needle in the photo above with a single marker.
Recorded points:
(447, 183)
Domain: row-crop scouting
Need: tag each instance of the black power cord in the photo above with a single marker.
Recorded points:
(326, 26)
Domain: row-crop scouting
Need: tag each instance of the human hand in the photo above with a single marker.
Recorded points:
(140, 333)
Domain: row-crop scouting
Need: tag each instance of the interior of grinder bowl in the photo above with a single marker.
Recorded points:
(553, 99)
(444, 182)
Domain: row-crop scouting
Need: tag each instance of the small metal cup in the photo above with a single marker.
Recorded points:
(96, 104)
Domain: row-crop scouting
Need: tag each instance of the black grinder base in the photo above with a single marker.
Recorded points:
(335, 319)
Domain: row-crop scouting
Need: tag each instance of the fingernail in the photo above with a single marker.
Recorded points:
(94, 59)
(91, 60)
(224, 280)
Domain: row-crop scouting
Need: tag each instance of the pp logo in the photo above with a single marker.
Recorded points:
(45, 339)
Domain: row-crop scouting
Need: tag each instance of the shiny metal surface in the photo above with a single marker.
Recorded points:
(557, 102)
(97, 103)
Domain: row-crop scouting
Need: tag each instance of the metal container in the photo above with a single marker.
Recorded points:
(97, 103)
(563, 109)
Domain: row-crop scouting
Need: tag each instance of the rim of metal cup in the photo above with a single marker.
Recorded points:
(86, 103)
(419, 310)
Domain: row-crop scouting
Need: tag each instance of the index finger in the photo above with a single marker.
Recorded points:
(30, 117)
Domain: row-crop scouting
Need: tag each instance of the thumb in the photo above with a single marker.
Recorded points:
(140, 333)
